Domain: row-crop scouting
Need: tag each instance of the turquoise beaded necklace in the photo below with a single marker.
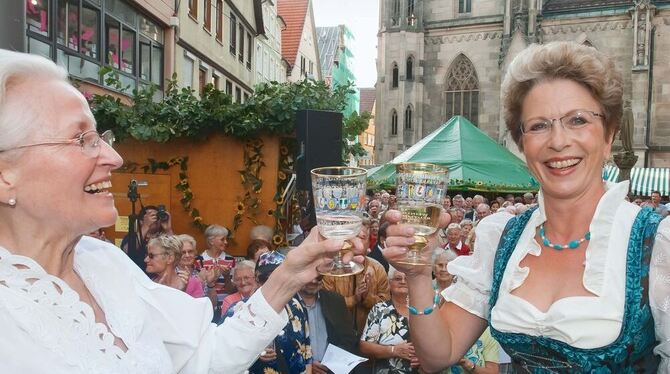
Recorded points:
(572, 244)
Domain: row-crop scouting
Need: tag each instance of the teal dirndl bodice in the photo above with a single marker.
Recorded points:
(631, 352)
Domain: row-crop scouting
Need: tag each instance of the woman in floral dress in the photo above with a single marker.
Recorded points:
(386, 335)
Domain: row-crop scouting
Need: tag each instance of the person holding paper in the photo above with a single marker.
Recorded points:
(329, 323)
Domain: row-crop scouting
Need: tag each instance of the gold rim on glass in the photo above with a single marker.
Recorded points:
(408, 167)
(356, 172)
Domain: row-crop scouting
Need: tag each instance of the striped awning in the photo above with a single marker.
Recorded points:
(642, 180)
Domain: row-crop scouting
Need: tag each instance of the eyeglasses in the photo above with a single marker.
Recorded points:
(89, 141)
(574, 120)
(243, 279)
(152, 255)
(399, 279)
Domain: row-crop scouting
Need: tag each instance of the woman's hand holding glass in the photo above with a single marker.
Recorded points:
(420, 189)
(400, 237)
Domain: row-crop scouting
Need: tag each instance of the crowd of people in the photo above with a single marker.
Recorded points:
(366, 314)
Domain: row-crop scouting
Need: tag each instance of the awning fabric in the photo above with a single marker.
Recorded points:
(642, 180)
(475, 161)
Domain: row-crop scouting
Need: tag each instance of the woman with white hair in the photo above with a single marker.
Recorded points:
(201, 281)
(74, 304)
(215, 257)
(443, 278)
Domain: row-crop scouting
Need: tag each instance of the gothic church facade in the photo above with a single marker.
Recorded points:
(440, 58)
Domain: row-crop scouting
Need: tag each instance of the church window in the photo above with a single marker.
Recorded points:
(408, 118)
(409, 73)
(464, 6)
(394, 80)
(394, 123)
(462, 93)
(395, 12)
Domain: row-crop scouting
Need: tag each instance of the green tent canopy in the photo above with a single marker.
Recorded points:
(475, 161)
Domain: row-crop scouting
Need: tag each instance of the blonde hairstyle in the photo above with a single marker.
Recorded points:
(170, 244)
(562, 60)
(186, 238)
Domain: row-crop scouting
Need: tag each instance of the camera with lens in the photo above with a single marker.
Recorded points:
(162, 214)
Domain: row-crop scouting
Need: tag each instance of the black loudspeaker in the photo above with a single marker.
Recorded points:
(319, 136)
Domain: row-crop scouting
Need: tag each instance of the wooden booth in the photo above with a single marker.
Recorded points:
(212, 176)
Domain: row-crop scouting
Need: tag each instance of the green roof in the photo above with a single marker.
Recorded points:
(475, 161)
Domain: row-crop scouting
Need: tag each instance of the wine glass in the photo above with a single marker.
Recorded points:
(420, 188)
(339, 202)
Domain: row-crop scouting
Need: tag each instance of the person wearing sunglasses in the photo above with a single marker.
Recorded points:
(163, 256)
(578, 284)
(70, 303)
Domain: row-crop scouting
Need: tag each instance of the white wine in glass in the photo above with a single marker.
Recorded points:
(420, 188)
(339, 202)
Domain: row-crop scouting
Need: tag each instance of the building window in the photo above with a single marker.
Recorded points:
(408, 118)
(67, 31)
(193, 8)
(302, 66)
(311, 69)
(37, 17)
(238, 95)
(188, 71)
(241, 49)
(411, 17)
(233, 34)
(394, 123)
(120, 48)
(395, 12)
(250, 49)
(464, 6)
(208, 15)
(215, 81)
(394, 80)
(409, 68)
(70, 32)
(229, 88)
(462, 92)
(202, 80)
(246, 97)
(219, 20)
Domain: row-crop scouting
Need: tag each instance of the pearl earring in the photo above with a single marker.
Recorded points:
(11, 201)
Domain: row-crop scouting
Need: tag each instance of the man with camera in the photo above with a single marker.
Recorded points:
(151, 222)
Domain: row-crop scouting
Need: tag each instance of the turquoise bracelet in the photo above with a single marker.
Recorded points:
(426, 311)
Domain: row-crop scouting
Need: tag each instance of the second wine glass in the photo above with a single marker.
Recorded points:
(420, 188)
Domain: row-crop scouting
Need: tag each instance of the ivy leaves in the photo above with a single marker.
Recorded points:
(181, 114)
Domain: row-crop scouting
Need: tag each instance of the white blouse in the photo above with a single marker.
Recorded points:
(45, 328)
(583, 322)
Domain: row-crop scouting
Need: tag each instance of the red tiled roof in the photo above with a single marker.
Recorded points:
(367, 99)
(294, 13)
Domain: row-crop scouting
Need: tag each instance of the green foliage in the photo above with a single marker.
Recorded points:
(354, 125)
(181, 114)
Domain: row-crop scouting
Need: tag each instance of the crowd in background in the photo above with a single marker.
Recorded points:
(366, 314)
